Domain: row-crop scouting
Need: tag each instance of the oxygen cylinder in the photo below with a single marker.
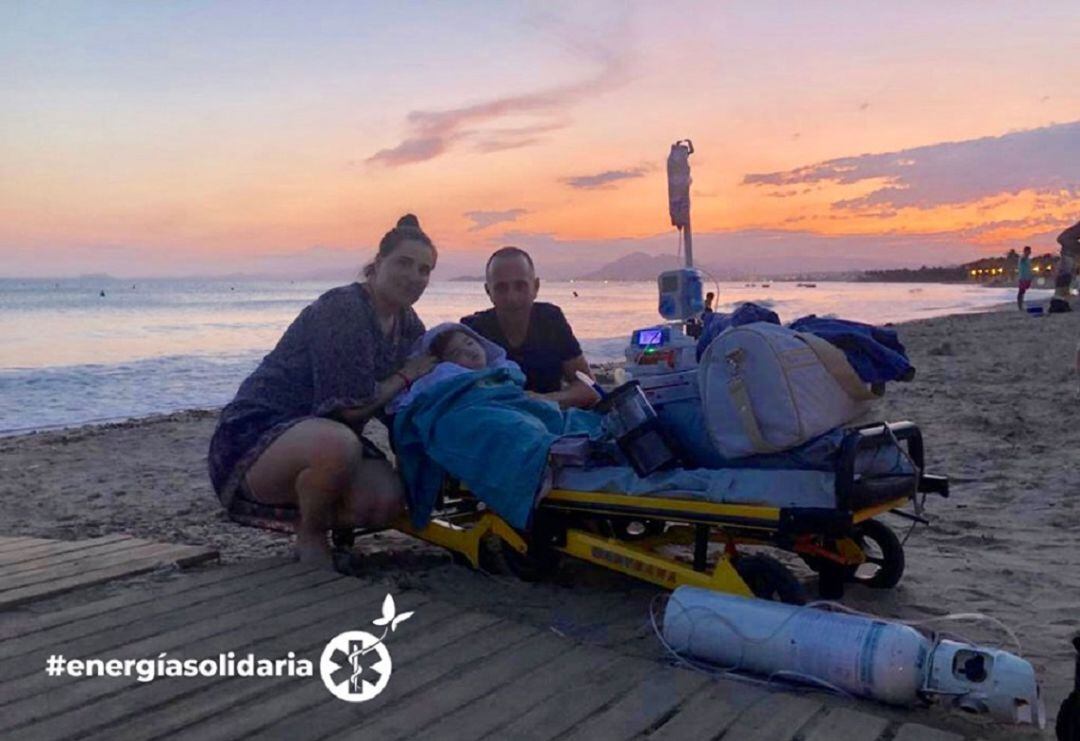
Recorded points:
(860, 655)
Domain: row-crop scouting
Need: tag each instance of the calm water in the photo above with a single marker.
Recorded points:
(69, 355)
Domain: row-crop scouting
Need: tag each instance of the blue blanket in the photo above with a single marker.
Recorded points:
(874, 352)
(481, 428)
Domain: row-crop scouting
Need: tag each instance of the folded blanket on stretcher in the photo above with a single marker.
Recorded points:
(775, 487)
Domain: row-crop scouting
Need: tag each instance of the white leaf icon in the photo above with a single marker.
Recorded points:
(387, 611)
(399, 619)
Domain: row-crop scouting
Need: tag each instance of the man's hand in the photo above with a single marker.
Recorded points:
(576, 394)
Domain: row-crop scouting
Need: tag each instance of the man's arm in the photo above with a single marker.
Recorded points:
(577, 393)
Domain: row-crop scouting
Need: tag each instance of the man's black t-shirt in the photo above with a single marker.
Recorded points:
(548, 343)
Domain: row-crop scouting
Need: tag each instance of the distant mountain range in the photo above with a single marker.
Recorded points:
(636, 266)
(639, 266)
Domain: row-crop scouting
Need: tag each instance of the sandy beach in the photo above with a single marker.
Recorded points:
(996, 396)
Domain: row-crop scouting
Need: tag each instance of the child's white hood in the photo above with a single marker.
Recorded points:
(494, 353)
(496, 358)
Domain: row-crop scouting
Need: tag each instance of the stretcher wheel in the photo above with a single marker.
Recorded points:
(770, 579)
(884, 557)
(882, 570)
(498, 557)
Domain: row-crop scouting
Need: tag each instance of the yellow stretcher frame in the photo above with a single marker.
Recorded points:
(730, 525)
(464, 527)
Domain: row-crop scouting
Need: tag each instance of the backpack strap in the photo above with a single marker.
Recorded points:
(740, 398)
(837, 364)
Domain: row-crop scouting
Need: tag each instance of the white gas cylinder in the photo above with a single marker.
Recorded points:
(860, 655)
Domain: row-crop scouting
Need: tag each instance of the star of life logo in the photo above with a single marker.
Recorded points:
(355, 665)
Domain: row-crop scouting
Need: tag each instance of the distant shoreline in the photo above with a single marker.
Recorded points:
(602, 370)
(339, 280)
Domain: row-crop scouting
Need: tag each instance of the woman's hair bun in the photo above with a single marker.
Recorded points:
(408, 221)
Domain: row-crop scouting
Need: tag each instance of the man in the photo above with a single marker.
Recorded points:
(1024, 275)
(1070, 253)
(535, 335)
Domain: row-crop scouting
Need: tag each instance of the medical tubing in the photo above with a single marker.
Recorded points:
(716, 283)
(954, 616)
(733, 671)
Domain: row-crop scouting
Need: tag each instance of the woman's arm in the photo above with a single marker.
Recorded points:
(387, 389)
(341, 333)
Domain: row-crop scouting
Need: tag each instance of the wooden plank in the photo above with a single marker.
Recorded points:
(19, 596)
(405, 718)
(112, 614)
(847, 724)
(47, 548)
(132, 602)
(239, 707)
(128, 713)
(571, 705)
(295, 579)
(777, 717)
(643, 707)
(14, 542)
(711, 712)
(424, 677)
(285, 615)
(489, 713)
(55, 559)
(280, 712)
(917, 732)
(44, 573)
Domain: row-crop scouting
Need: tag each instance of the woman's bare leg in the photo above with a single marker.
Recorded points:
(318, 465)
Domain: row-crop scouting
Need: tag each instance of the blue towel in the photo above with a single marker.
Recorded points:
(715, 323)
(874, 352)
(481, 428)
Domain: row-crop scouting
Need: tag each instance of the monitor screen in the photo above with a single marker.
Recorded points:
(646, 337)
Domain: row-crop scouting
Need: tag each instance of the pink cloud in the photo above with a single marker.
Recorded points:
(1044, 160)
(433, 133)
(605, 179)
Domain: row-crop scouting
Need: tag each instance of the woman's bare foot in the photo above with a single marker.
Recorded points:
(313, 550)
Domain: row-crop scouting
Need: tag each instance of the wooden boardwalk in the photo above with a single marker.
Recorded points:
(34, 568)
(457, 674)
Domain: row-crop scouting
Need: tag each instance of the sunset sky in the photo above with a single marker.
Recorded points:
(167, 138)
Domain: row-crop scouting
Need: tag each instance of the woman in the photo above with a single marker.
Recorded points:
(292, 438)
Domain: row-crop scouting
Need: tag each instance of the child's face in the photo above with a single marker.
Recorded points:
(465, 351)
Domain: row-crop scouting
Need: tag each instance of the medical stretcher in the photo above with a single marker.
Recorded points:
(674, 540)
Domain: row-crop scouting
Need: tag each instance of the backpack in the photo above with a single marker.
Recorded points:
(766, 388)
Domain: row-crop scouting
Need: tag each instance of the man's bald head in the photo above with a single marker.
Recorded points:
(510, 281)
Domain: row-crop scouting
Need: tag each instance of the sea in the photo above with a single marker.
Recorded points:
(93, 350)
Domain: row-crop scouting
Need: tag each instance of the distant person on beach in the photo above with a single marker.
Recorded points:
(1070, 255)
(696, 325)
(1024, 276)
(290, 446)
(535, 335)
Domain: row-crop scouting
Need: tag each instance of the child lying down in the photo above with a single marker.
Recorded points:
(471, 418)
